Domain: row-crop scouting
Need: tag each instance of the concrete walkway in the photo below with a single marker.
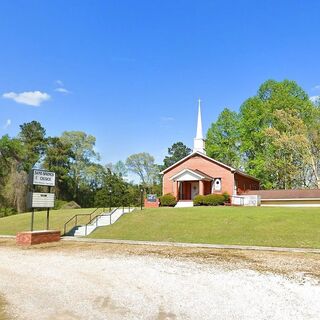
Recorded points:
(193, 245)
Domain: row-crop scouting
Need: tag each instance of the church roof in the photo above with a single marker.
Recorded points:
(210, 159)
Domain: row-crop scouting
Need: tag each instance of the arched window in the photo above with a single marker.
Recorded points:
(217, 184)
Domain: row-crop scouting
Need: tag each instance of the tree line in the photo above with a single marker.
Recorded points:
(275, 137)
(80, 175)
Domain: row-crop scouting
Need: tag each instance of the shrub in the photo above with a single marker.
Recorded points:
(226, 197)
(198, 200)
(5, 212)
(213, 199)
(58, 204)
(168, 200)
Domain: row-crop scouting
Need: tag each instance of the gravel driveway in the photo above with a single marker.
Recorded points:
(71, 281)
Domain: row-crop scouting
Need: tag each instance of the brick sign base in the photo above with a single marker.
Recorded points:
(36, 237)
(148, 204)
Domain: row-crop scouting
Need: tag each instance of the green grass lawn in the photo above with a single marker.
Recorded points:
(22, 222)
(264, 226)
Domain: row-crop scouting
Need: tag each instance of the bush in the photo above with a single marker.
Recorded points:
(168, 200)
(198, 200)
(210, 199)
(58, 204)
(5, 212)
(213, 199)
(226, 197)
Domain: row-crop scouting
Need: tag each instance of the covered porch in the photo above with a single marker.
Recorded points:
(190, 183)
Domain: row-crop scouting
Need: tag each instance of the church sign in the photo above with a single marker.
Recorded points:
(40, 200)
(42, 178)
(151, 197)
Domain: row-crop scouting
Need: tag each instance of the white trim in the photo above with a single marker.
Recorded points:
(184, 171)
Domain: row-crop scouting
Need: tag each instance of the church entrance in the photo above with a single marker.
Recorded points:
(188, 190)
(194, 189)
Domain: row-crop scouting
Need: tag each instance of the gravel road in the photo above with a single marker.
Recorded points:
(80, 281)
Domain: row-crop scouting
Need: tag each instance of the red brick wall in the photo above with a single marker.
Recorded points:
(199, 163)
(37, 237)
(245, 183)
(148, 204)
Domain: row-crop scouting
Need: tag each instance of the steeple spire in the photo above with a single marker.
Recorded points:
(199, 124)
(198, 142)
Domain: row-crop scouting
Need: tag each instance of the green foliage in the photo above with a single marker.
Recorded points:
(32, 136)
(59, 203)
(175, 153)
(223, 140)
(142, 164)
(198, 200)
(275, 137)
(226, 197)
(83, 171)
(213, 200)
(168, 200)
(258, 115)
(210, 199)
(6, 212)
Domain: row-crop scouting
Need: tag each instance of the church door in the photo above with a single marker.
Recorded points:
(194, 189)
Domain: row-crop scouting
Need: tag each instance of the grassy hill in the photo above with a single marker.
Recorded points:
(21, 222)
(264, 226)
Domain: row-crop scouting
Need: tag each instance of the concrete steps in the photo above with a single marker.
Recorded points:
(184, 204)
(105, 219)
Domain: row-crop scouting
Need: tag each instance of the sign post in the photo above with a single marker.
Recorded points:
(39, 180)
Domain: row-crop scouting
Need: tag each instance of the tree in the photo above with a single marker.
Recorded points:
(84, 155)
(258, 113)
(58, 158)
(223, 139)
(288, 150)
(32, 136)
(142, 164)
(12, 179)
(119, 168)
(113, 193)
(175, 153)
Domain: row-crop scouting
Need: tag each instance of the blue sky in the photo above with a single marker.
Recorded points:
(130, 72)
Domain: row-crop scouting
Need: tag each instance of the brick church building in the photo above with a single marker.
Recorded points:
(199, 174)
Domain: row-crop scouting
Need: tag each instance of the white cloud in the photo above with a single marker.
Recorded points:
(31, 98)
(315, 99)
(7, 124)
(317, 87)
(62, 90)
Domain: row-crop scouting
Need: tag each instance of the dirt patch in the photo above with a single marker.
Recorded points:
(76, 280)
(290, 264)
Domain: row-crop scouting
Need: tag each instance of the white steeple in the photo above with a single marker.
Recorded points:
(198, 142)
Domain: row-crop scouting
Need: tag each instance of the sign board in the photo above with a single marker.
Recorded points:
(40, 200)
(42, 178)
(151, 197)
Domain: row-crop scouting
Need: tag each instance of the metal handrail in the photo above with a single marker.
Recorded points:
(99, 216)
(75, 217)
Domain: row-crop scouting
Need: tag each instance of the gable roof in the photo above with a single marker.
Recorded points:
(192, 175)
(201, 155)
(210, 159)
